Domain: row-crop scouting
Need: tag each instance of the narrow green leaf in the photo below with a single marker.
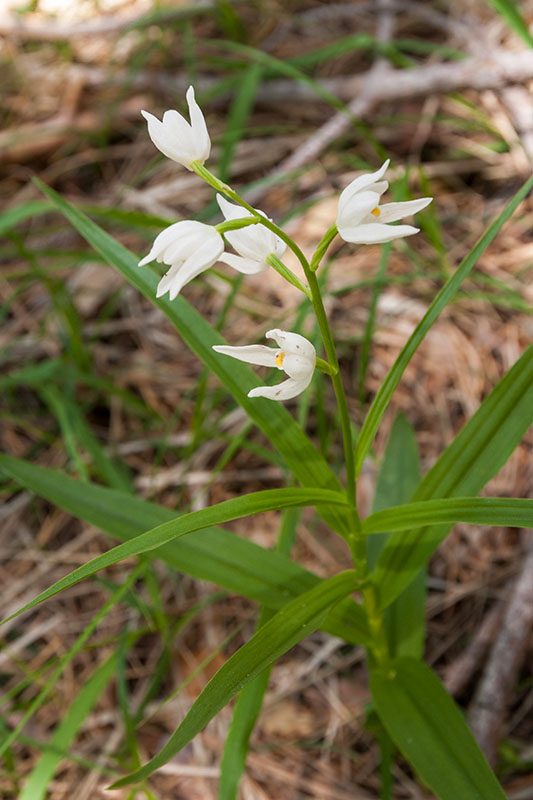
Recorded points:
(386, 390)
(405, 619)
(37, 702)
(217, 555)
(510, 12)
(429, 729)
(228, 510)
(294, 622)
(250, 699)
(507, 511)
(245, 714)
(305, 462)
(12, 217)
(36, 785)
(238, 114)
(476, 454)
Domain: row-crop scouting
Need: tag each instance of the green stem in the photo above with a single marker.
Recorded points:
(380, 646)
(325, 330)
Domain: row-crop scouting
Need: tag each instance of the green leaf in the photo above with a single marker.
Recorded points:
(11, 217)
(36, 785)
(429, 729)
(476, 454)
(305, 462)
(405, 619)
(294, 622)
(509, 11)
(386, 390)
(228, 510)
(245, 714)
(250, 699)
(217, 555)
(507, 511)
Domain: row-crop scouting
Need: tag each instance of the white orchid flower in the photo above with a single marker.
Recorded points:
(253, 244)
(176, 138)
(361, 219)
(189, 248)
(294, 354)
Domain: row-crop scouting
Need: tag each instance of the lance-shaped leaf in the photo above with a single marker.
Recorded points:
(479, 450)
(215, 555)
(405, 619)
(424, 722)
(289, 626)
(228, 510)
(508, 511)
(304, 460)
(386, 390)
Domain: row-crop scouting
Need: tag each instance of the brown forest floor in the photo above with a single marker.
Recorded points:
(70, 111)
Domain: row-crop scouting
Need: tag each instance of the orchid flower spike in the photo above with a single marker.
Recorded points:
(253, 244)
(294, 354)
(189, 248)
(177, 139)
(360, 218)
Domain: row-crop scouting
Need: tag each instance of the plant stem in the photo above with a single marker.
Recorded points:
(325, 330)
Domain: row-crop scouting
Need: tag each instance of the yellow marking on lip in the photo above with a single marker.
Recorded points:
(376, 212)
(279, 358)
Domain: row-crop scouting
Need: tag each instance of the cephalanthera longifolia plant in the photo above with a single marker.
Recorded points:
(380, 602)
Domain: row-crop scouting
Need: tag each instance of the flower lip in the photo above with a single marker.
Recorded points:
(295, 355)
(360, 220)
(178, 139)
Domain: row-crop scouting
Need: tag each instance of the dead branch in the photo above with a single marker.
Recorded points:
(460, 671)
(494, 72)
(13, 25)
(487, 713)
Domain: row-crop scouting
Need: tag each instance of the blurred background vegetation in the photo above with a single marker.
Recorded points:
(299, 97)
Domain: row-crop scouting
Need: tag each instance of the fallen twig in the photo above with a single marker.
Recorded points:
(487, 712)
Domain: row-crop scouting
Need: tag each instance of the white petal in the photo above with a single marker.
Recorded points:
(375, 233)
(247, 266)
(165, 141)
(380, 187)
(252, 354)
(202, 260)
(363, 182)
(292, 343)
(353, 211)
(181, 240)
(282, 391)
(199, 128)
(390, 212)
(231, 210)
(166, 281)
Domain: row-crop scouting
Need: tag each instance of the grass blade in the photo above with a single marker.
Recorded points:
(36, 785)
(386, 390)
(288, 627)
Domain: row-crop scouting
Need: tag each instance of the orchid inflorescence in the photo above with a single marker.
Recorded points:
(190, 247)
